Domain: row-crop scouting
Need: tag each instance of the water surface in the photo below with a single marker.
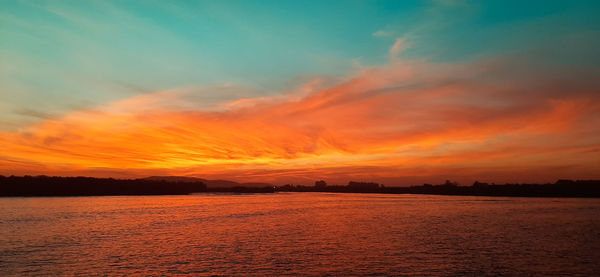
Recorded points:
(299, 234)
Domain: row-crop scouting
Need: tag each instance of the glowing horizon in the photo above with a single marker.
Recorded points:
(399, 107)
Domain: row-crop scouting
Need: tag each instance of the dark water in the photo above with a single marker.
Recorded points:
(299, 234)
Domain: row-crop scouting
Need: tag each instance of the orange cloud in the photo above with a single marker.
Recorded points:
(409, 121)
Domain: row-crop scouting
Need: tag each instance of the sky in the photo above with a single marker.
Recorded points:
(396, 92)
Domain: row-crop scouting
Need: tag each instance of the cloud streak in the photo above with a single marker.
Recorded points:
(407, 121)
(397, 47)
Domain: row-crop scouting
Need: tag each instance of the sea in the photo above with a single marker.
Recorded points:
(299, 234)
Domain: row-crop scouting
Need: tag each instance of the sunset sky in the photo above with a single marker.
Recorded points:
(397, 92)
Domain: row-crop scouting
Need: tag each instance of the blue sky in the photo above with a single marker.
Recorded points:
(59, 56)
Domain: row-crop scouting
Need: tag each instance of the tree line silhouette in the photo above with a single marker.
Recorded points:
(89, 186)
(561, 188)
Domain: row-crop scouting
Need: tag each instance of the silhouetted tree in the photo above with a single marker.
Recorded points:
(363, 186)
(480, 184)
(450, 184)
(320, 184)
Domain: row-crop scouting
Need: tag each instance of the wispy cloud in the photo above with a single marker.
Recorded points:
(398, 46)
(473, 120)
(383, 33)
(34, 113)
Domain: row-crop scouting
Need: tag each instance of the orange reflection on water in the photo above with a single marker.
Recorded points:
(298, 234)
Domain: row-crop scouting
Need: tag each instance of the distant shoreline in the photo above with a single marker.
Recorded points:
(32, 186)
(561, 188)
(44, 186)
